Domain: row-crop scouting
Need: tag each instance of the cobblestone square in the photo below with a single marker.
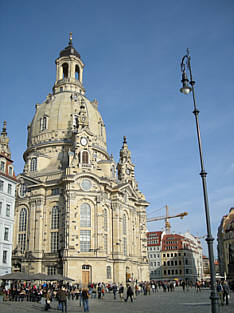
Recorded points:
(160, 302)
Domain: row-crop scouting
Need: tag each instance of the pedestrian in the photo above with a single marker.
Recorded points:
(226, 292)
(114, 288)
(47, 300)
(62, 297)
(129, 293)
(99, 290)
(121, 291)
(85, 299)
(183, 285)
(219, 289)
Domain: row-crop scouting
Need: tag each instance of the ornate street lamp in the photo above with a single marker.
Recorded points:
(188, 86)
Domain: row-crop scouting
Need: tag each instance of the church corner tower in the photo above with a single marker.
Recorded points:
(74, 215)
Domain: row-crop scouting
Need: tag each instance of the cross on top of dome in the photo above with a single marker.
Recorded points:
(69, 50)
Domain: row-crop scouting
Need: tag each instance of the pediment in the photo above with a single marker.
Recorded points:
(23, 179)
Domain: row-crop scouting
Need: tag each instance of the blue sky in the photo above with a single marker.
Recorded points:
(132, 52)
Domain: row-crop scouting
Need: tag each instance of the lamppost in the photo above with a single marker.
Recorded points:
(188, 86)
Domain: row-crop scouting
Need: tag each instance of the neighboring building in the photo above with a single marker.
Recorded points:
(181, 257)
(7, 202)
(173, 256)
(195, 265)
(226, 246)
(74, 215)
(206, 267)
(154, 246)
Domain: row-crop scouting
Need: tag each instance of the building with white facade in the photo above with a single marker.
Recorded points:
(174, 257)
(154, 247)
(7, 203)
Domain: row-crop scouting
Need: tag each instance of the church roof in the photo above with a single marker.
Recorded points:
(69, 50)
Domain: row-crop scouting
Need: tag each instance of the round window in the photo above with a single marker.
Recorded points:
(86, 184)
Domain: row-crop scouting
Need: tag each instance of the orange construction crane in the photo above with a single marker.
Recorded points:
(167, 224)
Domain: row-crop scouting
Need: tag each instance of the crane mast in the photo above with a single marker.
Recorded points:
(166, 218)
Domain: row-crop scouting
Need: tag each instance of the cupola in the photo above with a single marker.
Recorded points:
(69, 75)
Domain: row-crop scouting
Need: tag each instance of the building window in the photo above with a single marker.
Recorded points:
(85, 215)
(105, 242)
(124, 224)
(43, 123)
(51, 270)
(54, 242)
(8, 210)
(33, 165)
(0, 208)
(22, 242)
(105, 219)
(23, 220)
(108, 272)
(4, 257)
(85, 236)
(55, 191)
(9, 189)
(6, 234)
(2, 166)
(85, 157)
(10, 171)
(1, 185)
(125, 246)
(23, 190)
(165, 272)
(55, 217)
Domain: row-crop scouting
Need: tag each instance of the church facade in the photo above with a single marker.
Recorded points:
(78, 213)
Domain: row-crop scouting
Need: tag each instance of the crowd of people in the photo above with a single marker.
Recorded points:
(50, 292)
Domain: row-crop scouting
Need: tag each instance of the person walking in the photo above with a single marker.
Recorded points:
(114, 288)
(85, 299)
(47, 300)
(62, 297)
(219, 289)
(226, 292)
(121, 291)
(129, 293)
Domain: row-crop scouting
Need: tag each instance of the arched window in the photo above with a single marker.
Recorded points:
(105, 219)
(124, 224)
(23, 220)
(77, 72)
(23, 190)
(85, 215)
(108, 272)
(43, 122)
(65, 70)
(55, 217)
(85, 157)
(33, 165)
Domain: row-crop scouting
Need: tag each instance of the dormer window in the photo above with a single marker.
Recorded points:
(43, 122)
(33, 165)
(2, 166)
(10, 170)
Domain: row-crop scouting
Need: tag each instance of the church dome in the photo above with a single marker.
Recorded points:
(65, 112)
(54, 119)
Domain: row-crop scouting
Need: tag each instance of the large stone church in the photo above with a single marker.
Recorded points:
(77, 212)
